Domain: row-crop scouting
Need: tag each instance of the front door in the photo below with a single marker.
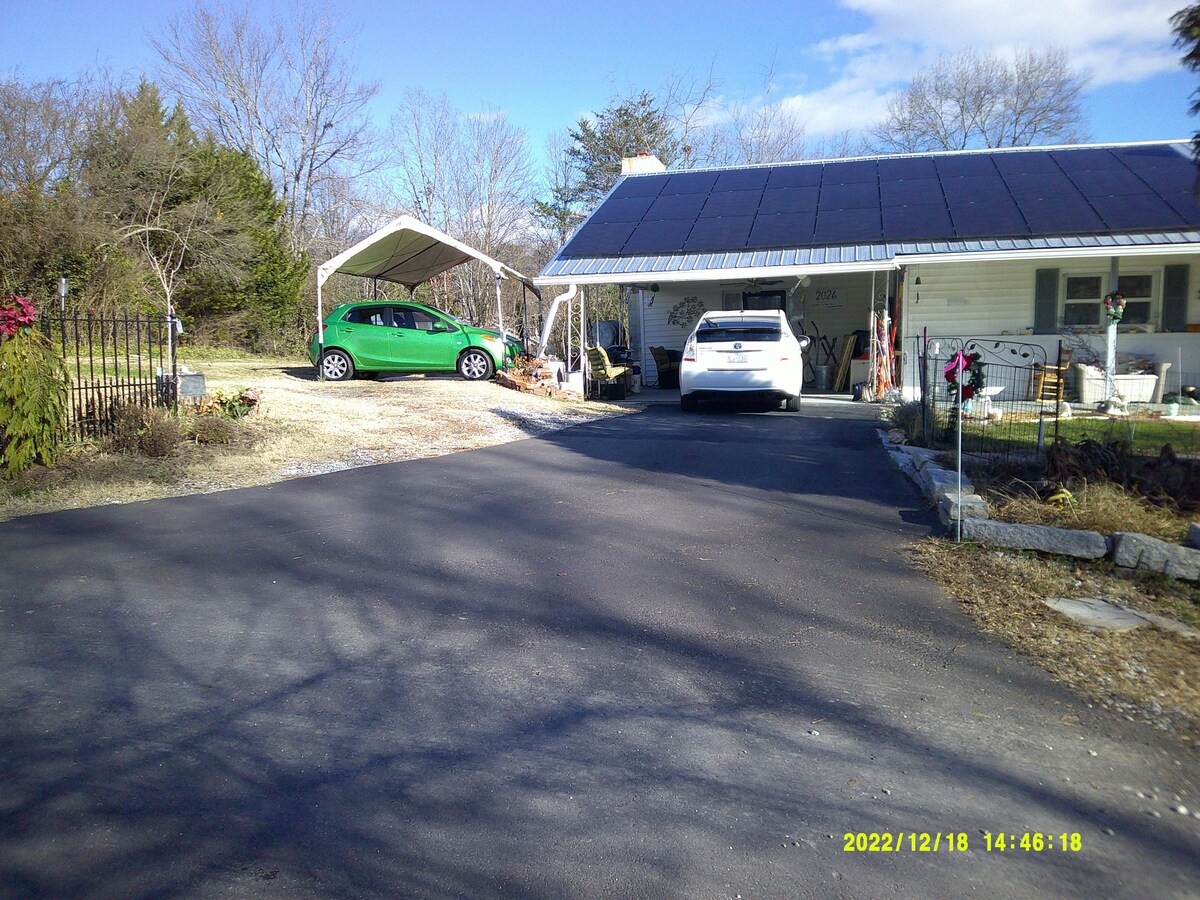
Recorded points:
(764, 300)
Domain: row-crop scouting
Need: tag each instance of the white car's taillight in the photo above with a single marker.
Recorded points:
(689, 350)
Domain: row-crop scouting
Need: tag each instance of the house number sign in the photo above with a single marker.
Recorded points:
(827, 298)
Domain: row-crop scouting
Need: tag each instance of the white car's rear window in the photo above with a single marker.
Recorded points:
(745, 330)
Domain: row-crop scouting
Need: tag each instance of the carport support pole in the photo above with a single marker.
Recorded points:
(500, 319)
(320, 333)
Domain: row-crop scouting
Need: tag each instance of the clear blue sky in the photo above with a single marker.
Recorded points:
(546, 64)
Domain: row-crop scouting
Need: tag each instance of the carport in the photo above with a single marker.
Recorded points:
(409, 253)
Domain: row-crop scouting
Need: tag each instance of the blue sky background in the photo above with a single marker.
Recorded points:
(546, 64)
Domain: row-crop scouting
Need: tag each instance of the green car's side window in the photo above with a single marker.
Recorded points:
(368, 316)
(420, 320)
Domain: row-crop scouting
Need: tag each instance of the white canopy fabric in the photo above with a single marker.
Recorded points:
(410, 253)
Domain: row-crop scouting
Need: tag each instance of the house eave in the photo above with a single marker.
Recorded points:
(716, 267)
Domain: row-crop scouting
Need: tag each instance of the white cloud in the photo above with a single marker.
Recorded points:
(1116, 41)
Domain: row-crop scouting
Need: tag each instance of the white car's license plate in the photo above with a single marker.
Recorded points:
(735, 357)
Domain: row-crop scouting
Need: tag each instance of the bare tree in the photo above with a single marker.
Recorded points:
(716, 132)
(469, 175)
(285, 94)
(977, 100)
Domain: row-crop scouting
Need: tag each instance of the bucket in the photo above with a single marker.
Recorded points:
(822, 378)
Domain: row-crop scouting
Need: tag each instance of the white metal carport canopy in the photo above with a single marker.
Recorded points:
(410, 253)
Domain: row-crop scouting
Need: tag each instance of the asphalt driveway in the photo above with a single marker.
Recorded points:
(658, 655)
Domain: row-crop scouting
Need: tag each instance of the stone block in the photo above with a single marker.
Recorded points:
(937, 483)
(1193, 538)
(1043, 538)
(1098, 615)
(1139, 551)
(973, 507)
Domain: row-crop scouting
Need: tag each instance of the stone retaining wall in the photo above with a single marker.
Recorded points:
(940, 487)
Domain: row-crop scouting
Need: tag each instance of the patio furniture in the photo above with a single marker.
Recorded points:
(667, 363)
(1050, 381)
(612, 381)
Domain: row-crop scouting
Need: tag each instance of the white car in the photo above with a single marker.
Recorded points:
(752, 353)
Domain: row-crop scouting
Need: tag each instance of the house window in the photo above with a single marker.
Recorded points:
(1138, 298)
(1083, 302)
(1083, 298)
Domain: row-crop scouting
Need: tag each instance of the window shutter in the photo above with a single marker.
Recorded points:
(1174, 298)
(1045, 302)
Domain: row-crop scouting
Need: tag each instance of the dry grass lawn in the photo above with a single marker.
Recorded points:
(302, 427)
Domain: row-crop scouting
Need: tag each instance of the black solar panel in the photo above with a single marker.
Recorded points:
(1061, 215)
(731, 203)
(957, 166)
(1186, 204)
(599, 239)
(988, 220)
(1137, 211)
(787, 200)
(863, 195)
(1025, 162)
(961, 196)
(852, 172)
(742, 180)
(1041, 185)
(656, 237)
(1168, 179)
(643, 186)
(904, 193)
(728, 233)
(911, 223)
(804, 175)
(907, 168)
(676, 206)
(846, 226)
(1090, 160)
(971, 188)
(690, 183)
(784, 230)
(623, 209)
(1108, 183)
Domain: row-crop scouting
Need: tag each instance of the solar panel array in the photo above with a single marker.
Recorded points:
(940, 197)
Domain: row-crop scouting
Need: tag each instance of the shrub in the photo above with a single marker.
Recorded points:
(907, 417)
(33, 391)
(235, 403)
(149, 430)
(211, 428)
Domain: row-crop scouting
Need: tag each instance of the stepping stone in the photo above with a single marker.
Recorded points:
(1096, 614)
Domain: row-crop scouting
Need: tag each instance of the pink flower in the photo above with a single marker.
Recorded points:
(16, 313)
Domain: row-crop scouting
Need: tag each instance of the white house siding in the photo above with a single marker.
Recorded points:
(996, 299)
(656, 331)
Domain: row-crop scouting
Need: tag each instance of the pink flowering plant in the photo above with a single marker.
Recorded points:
(16, 314)
(33, 391)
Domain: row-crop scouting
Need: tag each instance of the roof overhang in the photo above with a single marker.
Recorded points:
(410, 253)
(798, 262)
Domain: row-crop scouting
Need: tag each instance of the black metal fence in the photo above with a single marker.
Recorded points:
(1006, 412)
(113, 361)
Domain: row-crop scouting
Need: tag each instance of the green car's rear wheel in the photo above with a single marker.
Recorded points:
(336, 365)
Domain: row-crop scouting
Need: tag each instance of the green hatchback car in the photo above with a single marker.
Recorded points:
(391, 336)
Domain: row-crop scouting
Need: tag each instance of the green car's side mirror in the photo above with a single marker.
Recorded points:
(441, 327)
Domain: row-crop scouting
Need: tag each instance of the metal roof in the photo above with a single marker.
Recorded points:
(871, 213)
